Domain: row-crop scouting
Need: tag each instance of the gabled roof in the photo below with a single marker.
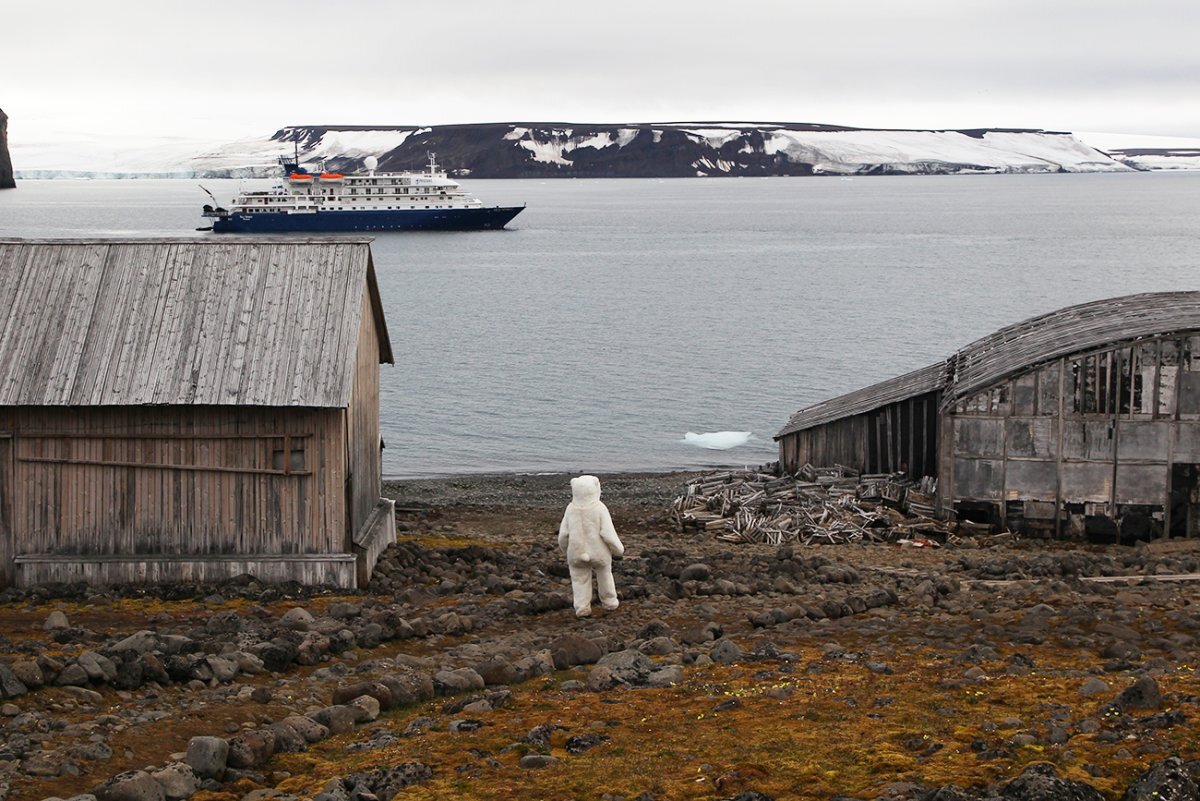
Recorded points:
(227, 321)
(909, 385)
(1017, 348)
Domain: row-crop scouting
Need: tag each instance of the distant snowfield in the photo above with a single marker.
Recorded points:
(837, 152)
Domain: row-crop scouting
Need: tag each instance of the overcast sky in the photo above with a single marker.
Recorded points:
(224, 70)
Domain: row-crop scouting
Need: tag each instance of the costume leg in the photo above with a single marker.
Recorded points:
(606, 586)
(581, 588)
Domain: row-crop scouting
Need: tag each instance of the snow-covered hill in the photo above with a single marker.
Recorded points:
(516, 150)
(670, 149)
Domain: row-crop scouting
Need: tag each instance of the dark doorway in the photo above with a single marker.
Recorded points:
(1185, 500)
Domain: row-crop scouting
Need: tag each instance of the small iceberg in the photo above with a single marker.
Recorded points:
(717, 440)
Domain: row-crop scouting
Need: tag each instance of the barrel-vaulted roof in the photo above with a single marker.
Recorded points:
(1017, 348)
(262, 321)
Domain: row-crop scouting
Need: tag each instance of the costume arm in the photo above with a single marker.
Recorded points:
(608, 533)
(563, 534)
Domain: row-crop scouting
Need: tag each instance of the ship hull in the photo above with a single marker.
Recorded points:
(479, 219)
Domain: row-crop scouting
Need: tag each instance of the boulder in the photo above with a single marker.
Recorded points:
(337, 719)
(132, 785)
(496, 672)
(251, 748)
(696, 572)
(376, 690)
(306, 727)
(297, 619)
(141, 642)
(1040, 782)
(207, 756)
(99, 668)
(29, 673)
(224, 669)
(73, 675)
(10, 685)
(627, 667)
(726, 651)
(56, 621)
(573, 649)
(287, 739)
(177, 780)
(365, 709)
(1142, 694)
(667, 676)
(408, 686)
(447, 682)
(1168, 780)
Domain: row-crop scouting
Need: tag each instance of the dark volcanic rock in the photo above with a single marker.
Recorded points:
(6, 168)
(1040, 782)
(1142, 694)
(1166, 781)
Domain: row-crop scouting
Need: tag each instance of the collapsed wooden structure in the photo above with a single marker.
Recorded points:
(190, 409)
(819, 505)
(1084, 420)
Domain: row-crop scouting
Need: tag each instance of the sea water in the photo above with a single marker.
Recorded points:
(615, 316)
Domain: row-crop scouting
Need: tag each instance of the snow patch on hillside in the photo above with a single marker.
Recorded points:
(848, 152)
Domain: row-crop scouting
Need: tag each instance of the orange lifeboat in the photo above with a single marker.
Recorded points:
(332, 176)
(299, 176)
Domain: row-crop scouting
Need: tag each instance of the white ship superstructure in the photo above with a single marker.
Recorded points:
(429, 200)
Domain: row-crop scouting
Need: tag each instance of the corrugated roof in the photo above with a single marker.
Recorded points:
(1016, 348)
(229, 321)
(909, 385)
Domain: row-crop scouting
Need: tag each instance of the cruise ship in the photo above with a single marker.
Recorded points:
(375, 201)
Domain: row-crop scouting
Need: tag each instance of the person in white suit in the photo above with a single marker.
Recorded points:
(586, 535)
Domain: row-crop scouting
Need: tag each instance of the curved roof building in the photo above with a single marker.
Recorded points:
(1088, 413)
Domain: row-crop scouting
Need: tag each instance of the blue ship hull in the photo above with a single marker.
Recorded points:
(384, 220)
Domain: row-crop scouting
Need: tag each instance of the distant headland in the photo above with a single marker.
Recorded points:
(634, 150)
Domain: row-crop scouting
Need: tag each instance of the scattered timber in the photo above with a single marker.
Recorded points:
(818, 505)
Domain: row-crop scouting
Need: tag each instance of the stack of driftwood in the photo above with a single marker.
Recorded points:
(818, 505)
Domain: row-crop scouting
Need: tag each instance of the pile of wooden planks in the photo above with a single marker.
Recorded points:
(832, 505)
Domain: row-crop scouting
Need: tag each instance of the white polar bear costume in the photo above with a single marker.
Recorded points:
(589, 540)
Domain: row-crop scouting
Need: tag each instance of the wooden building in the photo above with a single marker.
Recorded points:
(1084, 419)
(190, 409)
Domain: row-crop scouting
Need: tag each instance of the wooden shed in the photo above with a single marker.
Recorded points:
(190, 409)
(1086, 419)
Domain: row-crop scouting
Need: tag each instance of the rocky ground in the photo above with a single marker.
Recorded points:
(730, 671)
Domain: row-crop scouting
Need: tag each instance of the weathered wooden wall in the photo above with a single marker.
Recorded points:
(900, 436)
(1088, 432)
(200, 481)
(362, 424)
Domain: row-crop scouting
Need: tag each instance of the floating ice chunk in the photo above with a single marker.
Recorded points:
(717, 440)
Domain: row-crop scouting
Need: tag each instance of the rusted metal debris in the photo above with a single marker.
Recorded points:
(819, 505)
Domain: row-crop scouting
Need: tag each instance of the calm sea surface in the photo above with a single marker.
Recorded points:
(616, 315)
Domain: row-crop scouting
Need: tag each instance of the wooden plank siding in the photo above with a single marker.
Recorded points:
(362, 425)
(202, 481)
(1093, 433)
(897, 437)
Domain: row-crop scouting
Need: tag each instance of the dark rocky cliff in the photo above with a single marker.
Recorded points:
(6, 168)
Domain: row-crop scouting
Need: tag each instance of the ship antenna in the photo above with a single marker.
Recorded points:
(432, 161)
